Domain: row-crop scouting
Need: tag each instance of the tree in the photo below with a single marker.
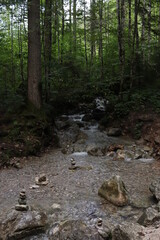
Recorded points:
(47, 46)
(34, 53)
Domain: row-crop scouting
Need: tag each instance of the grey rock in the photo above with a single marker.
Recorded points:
(150, 216)
(74, 230)
(94, 150)
(128, 231)
(155, 188)
(114, 191)
(69, 135)
(18, 225)
(21, 207)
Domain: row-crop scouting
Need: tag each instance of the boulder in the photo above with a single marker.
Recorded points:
(114, 132)
(74, 230)
(114, 191)
(128, 231)
(96, 150)
(69, 135)
(150, 216)
(18, 225)
(155, 188)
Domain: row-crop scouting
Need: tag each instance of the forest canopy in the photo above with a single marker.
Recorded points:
(102, 47)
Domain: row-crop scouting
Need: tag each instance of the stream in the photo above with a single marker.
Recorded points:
(76, 192)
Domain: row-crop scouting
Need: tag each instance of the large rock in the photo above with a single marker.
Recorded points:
(149, 217)
(155, 188)
(18, 225)
(68, 135)
(114, 132)
(128, 231)
(114, 191)
(74, 230)
(94, 150)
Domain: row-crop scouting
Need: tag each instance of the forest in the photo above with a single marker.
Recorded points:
(81, 49)
(79, 119)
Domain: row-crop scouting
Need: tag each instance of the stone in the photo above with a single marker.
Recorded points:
(128, 231)
(152, 233)
(150, 216)
(22, 202)
(111, 154)
(21, 207)
(41, 180)
(55, 208)
(114, 191)
(97, 151)
(155, 188)
(34, 187)
(114, 132)
(69, 135)
(74, 230)
(18, 225)
(147, 149)
(105, 233)
(115, 147)
(99, 222)
(120, 155)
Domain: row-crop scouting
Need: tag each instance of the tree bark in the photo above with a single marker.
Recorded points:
(34, 53)
(47, 46)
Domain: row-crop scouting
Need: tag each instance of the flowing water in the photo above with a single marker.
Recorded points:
(76, 191)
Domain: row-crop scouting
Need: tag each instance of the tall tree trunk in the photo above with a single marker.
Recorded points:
(47, 46)
(149, 28)
(129, 23)
(121, 23)
(85, 33)
(34, 53)
(62, 31)
(135, 47)
(101, 34)
(70, 26)
(159, 26)
(93, 27)
(12, 54)
(74, 25)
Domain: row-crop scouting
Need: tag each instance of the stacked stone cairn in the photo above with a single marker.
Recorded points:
(22, 202)
(73, 164)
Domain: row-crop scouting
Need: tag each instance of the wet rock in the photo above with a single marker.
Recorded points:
(111, 154)
(150, 216)
(18, 225)
(155, 188)
(128, 231)
(157, 139)
(69, 135)
(114, 132)
(74, 229)
(138, 154)
(114, 191)
(120, 155)
(115, 147)
(96, 151)
(147, 149)
(62, 124)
